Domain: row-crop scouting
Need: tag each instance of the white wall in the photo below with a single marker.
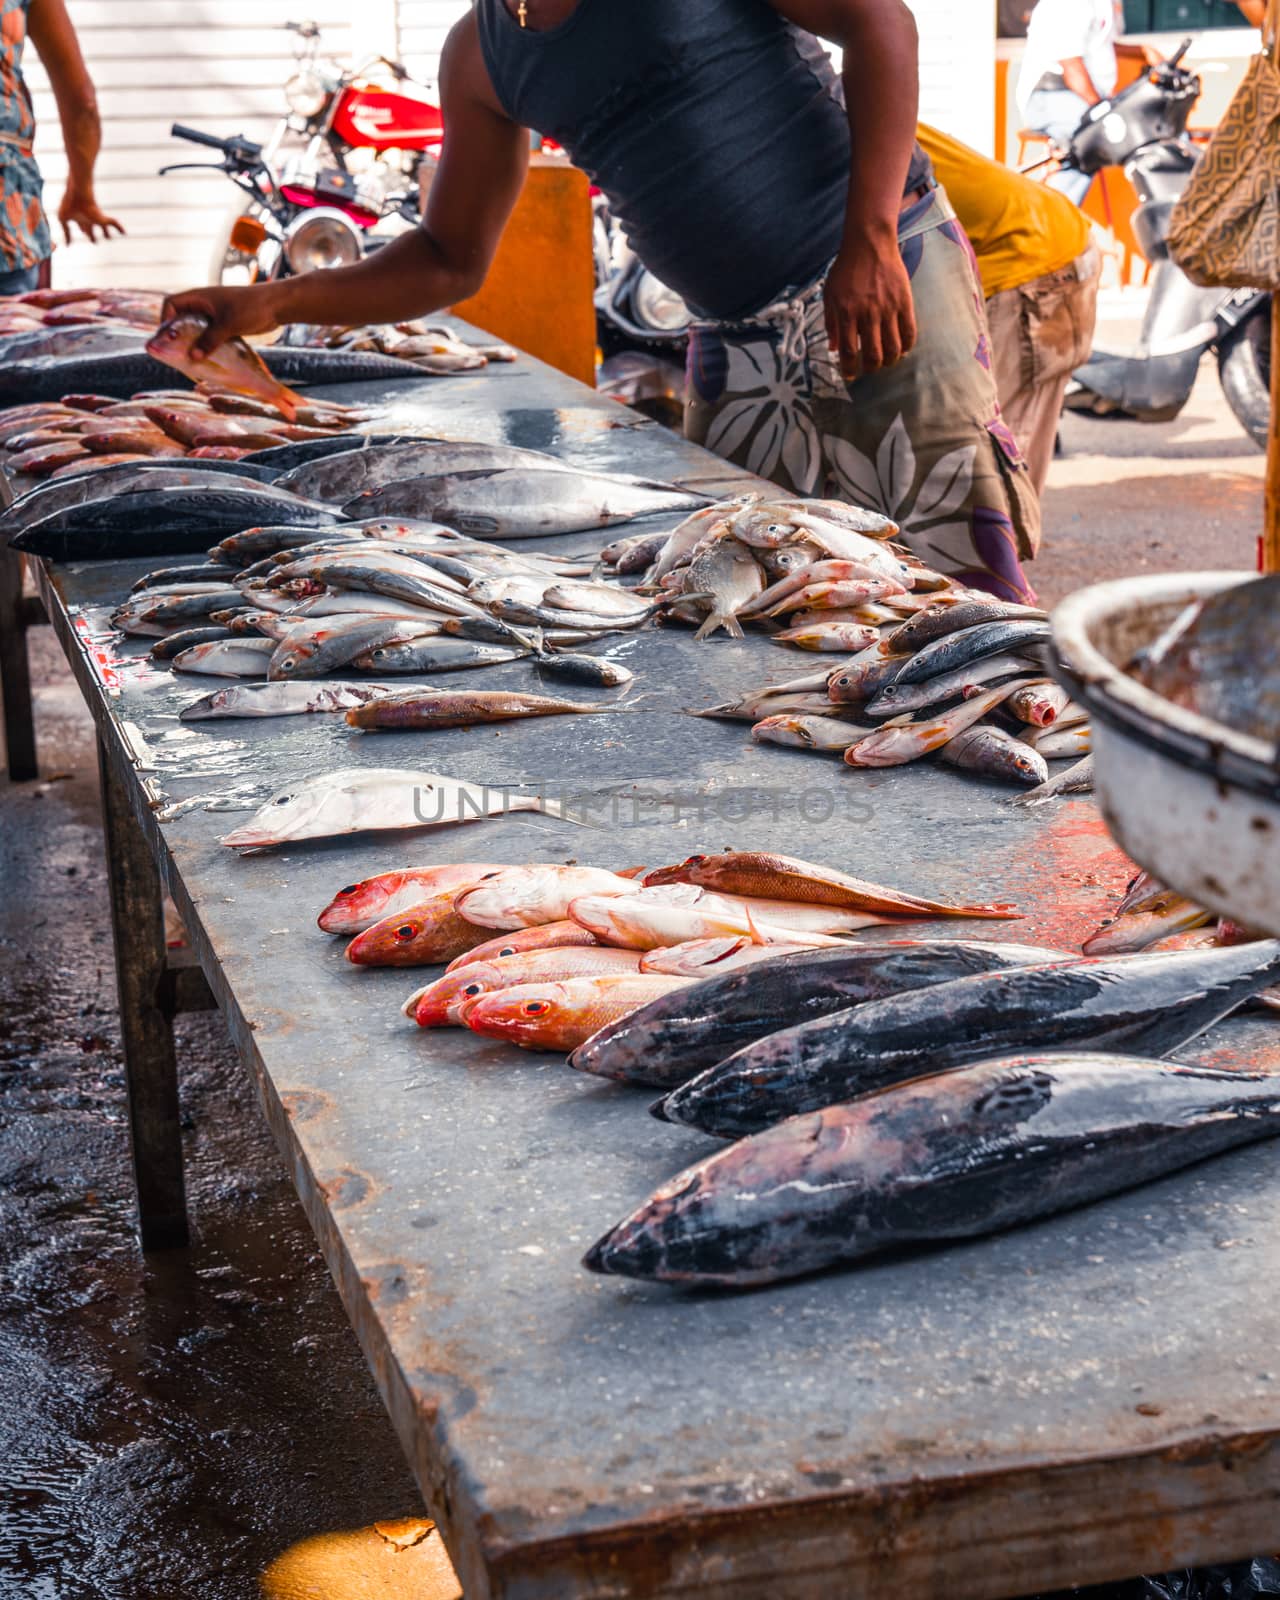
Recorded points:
(957, 68)
(221, 65)
(216, 64)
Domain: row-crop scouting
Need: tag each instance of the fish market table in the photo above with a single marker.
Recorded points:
(1089, 1397)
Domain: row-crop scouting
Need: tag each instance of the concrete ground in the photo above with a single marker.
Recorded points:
(202, 1424)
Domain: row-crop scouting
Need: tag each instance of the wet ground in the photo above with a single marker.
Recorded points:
(202, 1424)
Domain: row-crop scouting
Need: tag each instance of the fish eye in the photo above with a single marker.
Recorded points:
(535, 1008)
(406, 930)
(350, 889)
(284, 799)
(507, 950)
(474, 988)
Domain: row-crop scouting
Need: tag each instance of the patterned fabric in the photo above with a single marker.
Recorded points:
(1225, 228)
(922, 441)
(24, 232)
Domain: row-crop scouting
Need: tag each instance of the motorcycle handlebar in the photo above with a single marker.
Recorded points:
(1176, 58)
(194, 136)
(237, 149)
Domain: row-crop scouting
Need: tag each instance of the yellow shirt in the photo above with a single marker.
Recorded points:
(1020, 230)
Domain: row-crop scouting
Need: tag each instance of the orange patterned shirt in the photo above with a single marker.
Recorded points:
(24, 231)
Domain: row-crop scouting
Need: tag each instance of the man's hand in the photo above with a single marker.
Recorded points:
(230, 313)
(871, 320)
(85, 212)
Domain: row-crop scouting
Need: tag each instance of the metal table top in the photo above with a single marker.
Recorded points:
(1092, 1396)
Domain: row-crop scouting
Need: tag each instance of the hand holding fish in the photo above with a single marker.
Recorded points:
(230, 313)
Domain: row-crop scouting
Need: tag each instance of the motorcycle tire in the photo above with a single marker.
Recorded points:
(1244, 371)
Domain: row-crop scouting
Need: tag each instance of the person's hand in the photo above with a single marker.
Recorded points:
(85, 212)
(871, 320)
(230, 313)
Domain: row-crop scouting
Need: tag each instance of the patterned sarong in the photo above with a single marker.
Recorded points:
(921, 441)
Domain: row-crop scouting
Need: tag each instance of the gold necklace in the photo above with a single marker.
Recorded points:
(522, 11)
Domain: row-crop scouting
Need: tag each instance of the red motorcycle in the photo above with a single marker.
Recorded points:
(339, 175)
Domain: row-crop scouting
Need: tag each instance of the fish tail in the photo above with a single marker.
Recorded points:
(720, 619)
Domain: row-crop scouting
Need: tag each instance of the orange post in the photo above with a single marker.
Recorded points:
(538, 294)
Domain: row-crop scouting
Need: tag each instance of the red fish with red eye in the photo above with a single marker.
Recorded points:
(429, 933)
(440, 1004)
(561, 1016)
(360, 905)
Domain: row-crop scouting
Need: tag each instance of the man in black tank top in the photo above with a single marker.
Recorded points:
(840, 346)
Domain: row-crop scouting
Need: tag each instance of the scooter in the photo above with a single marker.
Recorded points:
(642, 325)
(1144, 131)
(347, 156)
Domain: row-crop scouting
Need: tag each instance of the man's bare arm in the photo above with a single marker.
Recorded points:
(870, 316)
(1076, 77)
(55, 42)
(481, 171)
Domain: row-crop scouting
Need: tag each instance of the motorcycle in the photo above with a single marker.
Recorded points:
(642, 325)
(348, 156)
(1143, 130)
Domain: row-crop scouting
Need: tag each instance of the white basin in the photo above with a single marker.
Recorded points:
(1193, 801)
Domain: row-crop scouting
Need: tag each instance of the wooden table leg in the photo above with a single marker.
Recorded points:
(145, 987)
(15, 672)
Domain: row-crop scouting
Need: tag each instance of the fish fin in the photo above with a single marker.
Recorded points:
(754, 933)
(720, 619)
(632, 872)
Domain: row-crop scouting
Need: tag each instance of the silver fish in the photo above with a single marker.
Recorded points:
(281, 699)
(524, 502)
(1077, 779)
(228, 658)
(808, 732)
(338, 642)
(730, 575)
(1055, 743)
(371, 799)
(896, 698)
(434, 655)
(990, 750)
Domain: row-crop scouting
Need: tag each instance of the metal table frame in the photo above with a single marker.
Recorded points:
(940, 1513)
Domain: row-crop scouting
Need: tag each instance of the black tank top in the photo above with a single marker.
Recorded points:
(716, 128)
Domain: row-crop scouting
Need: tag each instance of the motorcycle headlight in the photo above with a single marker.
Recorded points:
(659, 306)
(305, 95)
(318, 239)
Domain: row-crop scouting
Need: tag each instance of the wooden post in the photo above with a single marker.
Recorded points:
(145, 986)
(1269, 554)
(15, 671)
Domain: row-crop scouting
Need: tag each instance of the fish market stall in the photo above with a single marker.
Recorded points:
(1090, 1396)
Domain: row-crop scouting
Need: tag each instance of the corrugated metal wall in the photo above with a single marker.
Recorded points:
(221, 65)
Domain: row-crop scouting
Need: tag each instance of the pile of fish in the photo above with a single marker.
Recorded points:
(36, 324)
(428, 346)
(85, 432)
(295, 601)
(599, 944)
(1148, 915)
(928, 664)
(98, 341)
(877, 1094)
(961, 679)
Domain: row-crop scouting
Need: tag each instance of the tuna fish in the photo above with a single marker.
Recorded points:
(673, 1040)
(1149, 1004)
(953, 1156)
